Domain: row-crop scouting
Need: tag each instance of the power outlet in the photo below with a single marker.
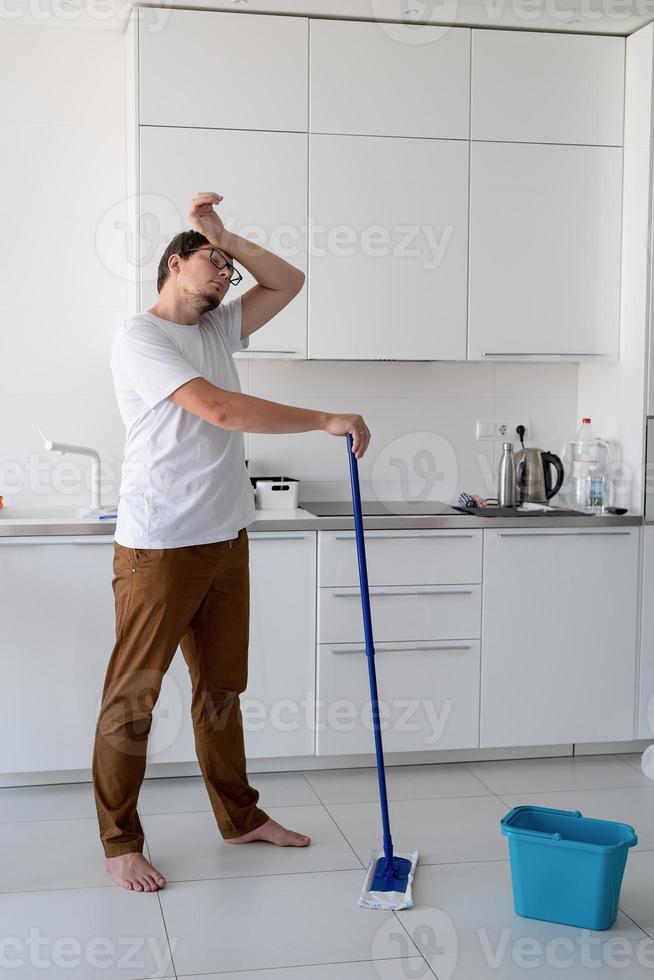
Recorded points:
(507, 431)
(501, 431)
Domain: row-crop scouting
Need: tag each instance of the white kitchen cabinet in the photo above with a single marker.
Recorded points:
(401, 612)
(532, 86)
(645, 721)
(227, 70)
(544, 251)
(388, 258)
(390, 79)
(428, 692)
(401, 557)
(425, 600)
(57, 615)
(558, 636)
(175, 163)
(278, 705)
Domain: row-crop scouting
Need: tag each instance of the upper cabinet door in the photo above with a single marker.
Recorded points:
(388, 256)
(547, 88)
(177, 163)
(233, 71)
(389, 79)
(544, 250)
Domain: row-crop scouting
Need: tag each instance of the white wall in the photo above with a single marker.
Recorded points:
(63, 166)
(614, 394)
(63, 291)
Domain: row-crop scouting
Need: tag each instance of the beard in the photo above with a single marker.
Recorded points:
(203, 300)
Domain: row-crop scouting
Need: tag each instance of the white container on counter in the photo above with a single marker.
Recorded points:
(276, 492)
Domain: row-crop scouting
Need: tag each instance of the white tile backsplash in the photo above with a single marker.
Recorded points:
(422, 417)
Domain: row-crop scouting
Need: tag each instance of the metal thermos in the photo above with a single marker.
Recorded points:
(506, 482)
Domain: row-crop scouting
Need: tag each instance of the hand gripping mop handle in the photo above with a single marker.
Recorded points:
(370, 654)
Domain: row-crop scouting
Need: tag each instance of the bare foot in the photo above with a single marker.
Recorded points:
(274, 833)
(134, 872)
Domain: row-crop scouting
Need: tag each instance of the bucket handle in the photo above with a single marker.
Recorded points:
(535, 834)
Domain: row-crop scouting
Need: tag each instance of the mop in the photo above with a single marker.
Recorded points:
(389, 876)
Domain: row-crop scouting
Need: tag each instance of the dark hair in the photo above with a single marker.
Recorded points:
(181, 245)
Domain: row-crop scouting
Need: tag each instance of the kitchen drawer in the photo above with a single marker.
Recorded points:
(428, 695)
(401, 557)
(401, 612)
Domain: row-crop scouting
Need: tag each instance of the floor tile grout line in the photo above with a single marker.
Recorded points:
(414, 799)
(303, 966)
(186, 881)
(585, 789)
(408, 799)
(393, 799)
(612, 757)
(269, 806)
(282, 874)
(412, 940)
(272, 874)
(480, 780)
(340, 830)
(165, 925)
(637, 924)
(6, 823)
(311, 786)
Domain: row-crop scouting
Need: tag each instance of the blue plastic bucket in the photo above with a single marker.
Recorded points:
(564, 867)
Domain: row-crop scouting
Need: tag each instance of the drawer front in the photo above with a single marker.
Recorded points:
(401, 557)
(428, 695)
(404, 612)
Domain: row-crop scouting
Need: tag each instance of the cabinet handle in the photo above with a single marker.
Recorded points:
(448, 646)
(541, 353)
(349, 536)
(76, 539)
(262, 351)
(283, 537)
(355, 593)
(565, 534)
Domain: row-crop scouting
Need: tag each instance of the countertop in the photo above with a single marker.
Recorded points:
(17, 523)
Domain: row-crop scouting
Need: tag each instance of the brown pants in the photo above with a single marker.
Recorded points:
(197, 597)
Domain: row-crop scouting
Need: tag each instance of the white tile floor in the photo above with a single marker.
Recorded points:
(266, 913)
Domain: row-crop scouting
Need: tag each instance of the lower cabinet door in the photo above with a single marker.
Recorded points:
(57, 616)
(428, 694)
(559, 636)
(278, 707)
(645, 720)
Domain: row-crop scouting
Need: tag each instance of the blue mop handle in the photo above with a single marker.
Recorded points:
(370, 653)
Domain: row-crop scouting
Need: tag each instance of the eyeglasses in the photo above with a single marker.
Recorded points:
(219, 261)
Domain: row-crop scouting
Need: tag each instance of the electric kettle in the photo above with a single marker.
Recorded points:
(534, 479)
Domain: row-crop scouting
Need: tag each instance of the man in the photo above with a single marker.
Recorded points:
(181, 572)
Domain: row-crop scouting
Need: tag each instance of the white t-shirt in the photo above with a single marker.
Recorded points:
(183, 480)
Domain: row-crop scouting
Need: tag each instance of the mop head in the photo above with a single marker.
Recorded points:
(379, 892)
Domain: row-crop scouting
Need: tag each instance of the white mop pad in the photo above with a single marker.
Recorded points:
(392, 901)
